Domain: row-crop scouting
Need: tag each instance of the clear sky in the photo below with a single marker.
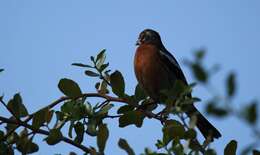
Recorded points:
(40, 39)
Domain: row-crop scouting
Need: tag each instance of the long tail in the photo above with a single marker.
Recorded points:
(205, 127)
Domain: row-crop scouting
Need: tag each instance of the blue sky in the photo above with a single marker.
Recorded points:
(40, 39)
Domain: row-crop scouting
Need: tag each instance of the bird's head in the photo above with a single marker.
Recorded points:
(149, 36)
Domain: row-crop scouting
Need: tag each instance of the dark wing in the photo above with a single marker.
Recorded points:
(172, 65)
(205, 127)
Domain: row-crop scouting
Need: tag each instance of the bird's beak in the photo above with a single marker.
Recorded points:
(138, 42)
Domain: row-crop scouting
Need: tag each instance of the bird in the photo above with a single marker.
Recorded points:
(156, 69)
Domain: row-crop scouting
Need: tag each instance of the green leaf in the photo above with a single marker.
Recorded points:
(187, 89)
(101, 54)
(200, 54)
(89, 110)
(231, 84)
(92, 127)
(139, 93)
(231, 148)
(159, 144)
(70, 129)
(40, 118)
(103, 67)
(48, 116)
(81, 65)
(12, 138)
(212, 109)
(131, 117)
(69, 88)
(54, 137)
(199, 72)
(97, 85)
(72, 153)
(150, 152)
(91, 73)
(79, 129)
(210, 152)
(177, 147)
(187, 101)
(125, 108)
(117, 83)
(24, 132)
(5, 149)
(102, 137)
(67, 107)
(75, 109)
(17, 106)
(18, 101)
(92, 59)
(11, 126)
(172, 129)
(190, 134)
(122, 143)
(59, 115)
(250, 112)
(26, 146)
(101, 58)
(102, 88)
(79, 111)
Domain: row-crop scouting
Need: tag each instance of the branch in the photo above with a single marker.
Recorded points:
(112, 116)
(62, 99)
(44, 132)
(108, 98)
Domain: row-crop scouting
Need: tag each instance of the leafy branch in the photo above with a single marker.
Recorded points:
(85, 117)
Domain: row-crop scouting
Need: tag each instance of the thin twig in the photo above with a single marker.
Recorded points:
(112, 116)
(102, 104)
(181, 117)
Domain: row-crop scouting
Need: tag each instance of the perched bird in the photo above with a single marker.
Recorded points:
(156, 70)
